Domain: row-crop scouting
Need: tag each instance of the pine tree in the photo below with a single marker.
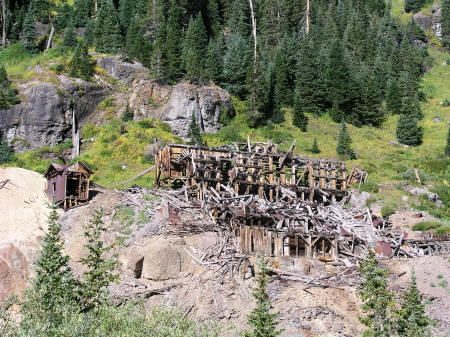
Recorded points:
(408, 132)
(4, 81)
(64, 17)
(378, 302)
(214, 19)
(447, 147)
(344, 147)
(315, 147)
(445, 23)
(100, 269)
(81, 65)
(107, 30)
(29, 33)
(133, 41)
(413, 5)
(239, 18)
(41, 10)
(127, 11)
(393, 97)
(235, 65)
(128, 114)
(285, 64)
(299, 118)
(261, 320)
(70, 37)
(412, 320)
(4, 103)
(372, 115)
(54, 284)
(6, 152)
(194, 132)
(194, 49)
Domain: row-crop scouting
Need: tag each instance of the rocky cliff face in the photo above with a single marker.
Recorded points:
(44, 117)
(174, 105)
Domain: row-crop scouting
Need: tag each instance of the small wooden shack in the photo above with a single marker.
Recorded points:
(68, 185)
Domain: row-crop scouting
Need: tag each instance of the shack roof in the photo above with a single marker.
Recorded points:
(59, 168)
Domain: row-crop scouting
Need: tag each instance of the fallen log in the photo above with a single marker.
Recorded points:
(134, 178)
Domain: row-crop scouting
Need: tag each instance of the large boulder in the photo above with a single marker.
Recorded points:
(436, 20)
(422, 20)
(44, 117)
(207, 103)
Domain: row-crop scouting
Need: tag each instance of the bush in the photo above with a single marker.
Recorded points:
(230, 133)
(426, 225)
(146, 123)
(410, 175)
(388, 210)
(446, 102)
(370, 186)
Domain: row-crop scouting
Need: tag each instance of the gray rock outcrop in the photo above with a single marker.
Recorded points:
(118, 69)
(44, 117)
(207, 103)
(436, 20)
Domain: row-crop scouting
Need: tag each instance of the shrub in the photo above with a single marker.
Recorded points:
(146, 123)
(426, 225)
(388, 210)
(446, 102)
(370, 186)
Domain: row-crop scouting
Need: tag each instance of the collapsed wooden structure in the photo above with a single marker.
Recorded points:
(258, 169)
(68, 185)
(279, 204)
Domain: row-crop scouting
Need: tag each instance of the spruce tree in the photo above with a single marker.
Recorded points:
(194, 132)
(172, 45)
(70, 37)
(413, 5)
(128, 114)
(4, 103)
(194, 49)
(378, 302)
(214, 60)
(54, 285)
(133, 41)
(285, 63)
(408, 132)
(299, 118)
(101, 271)
(107, 30)
(344, 147)
(315, 147)
(6, 152)
(447, 147)
(373, 114)
(83, 10)
(214, 19)
(262, 321)
(412, 320)
(127, 11)
(81, 64)
(29, 33)
(393, 97)
(235, 64)
(89, 33)
(41, 10)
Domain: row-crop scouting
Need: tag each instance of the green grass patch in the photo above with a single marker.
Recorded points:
(433, 226)
(388, 210)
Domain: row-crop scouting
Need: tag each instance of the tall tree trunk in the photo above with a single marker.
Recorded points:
(253, 88)
(95, 6)
(307, 17)
(49, 42)
(4, 22)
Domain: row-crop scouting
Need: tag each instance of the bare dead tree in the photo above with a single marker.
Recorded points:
(4, 22)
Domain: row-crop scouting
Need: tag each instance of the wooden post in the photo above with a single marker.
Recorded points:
(271, 177)
(344, 177)
(322, 176)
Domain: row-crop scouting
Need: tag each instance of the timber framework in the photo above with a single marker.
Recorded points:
(253, 169)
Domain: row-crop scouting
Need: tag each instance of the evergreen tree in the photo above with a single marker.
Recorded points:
(344, 147)
(445, 23)
(214, 19)
(70, 37)
(6, 152)
(194, 49)
(81, 65)
(89, 33)
(393, 97)
(133, 41)
(413, 5)
(29, 33)
(128, 114)
(83, 10)
(107, 30)
(41, 10)
(378, 302)
(315, 147)
(408, 132)
(239, 18)
(261, 320)
(285, 63)
(53, 286)
(127, 11)
(4, 81)
(4, 103)
(100, 269)
(339, 82)
(235, 65)
(214, 60)
(411, 317)
(64, 16)
(172, 45)
(372, 115)
(194, 132)
(299, 118)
